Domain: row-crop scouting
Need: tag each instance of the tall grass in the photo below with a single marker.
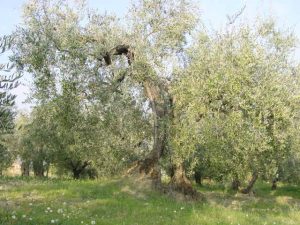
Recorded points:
(28, 201)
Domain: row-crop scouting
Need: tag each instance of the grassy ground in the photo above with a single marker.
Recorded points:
(119, 201)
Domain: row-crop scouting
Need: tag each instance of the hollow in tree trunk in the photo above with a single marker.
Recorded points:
(251, 183)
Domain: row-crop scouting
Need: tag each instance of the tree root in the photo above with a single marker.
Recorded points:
(179, 188)
(147, 168)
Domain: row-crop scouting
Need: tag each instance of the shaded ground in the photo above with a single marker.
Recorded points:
(119, 201)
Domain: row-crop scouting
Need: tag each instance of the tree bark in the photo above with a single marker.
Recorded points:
(274, 184)
(149, 167)
(76, 174)
(38, 168)
(78, 168)
(198, 177)
(181, 183)
(250, 184)
(25, 169)
(235, 184)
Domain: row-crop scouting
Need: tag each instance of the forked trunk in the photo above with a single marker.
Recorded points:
(251, 183)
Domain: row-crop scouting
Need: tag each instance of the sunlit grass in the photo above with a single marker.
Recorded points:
(118, 201)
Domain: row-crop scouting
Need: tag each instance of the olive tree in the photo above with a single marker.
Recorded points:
(237, 99)
(8, 81)
(62, 42)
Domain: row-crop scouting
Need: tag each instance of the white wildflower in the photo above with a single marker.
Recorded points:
(93, 222)
(14, 217)
(52, 221)
(60, 211)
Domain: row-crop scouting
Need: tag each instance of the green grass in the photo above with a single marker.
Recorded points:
(119, 201)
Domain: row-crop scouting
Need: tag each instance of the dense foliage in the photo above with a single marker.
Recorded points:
(156, 92)
(237, 102)
(8, 81)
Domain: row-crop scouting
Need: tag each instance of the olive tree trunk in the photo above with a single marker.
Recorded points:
(181, 183)
(251, 183)
(25, 167)
(78, 168)
(161, 105)
(149, 167)
(274, 183)
(198, 177)
(38, 168)
(235, 184)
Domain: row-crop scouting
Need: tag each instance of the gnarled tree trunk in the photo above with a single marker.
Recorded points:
(161, 105)
(181, 183)
(149, 167)
(250, 184)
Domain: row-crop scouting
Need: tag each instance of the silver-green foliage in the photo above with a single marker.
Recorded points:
(237, 100)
